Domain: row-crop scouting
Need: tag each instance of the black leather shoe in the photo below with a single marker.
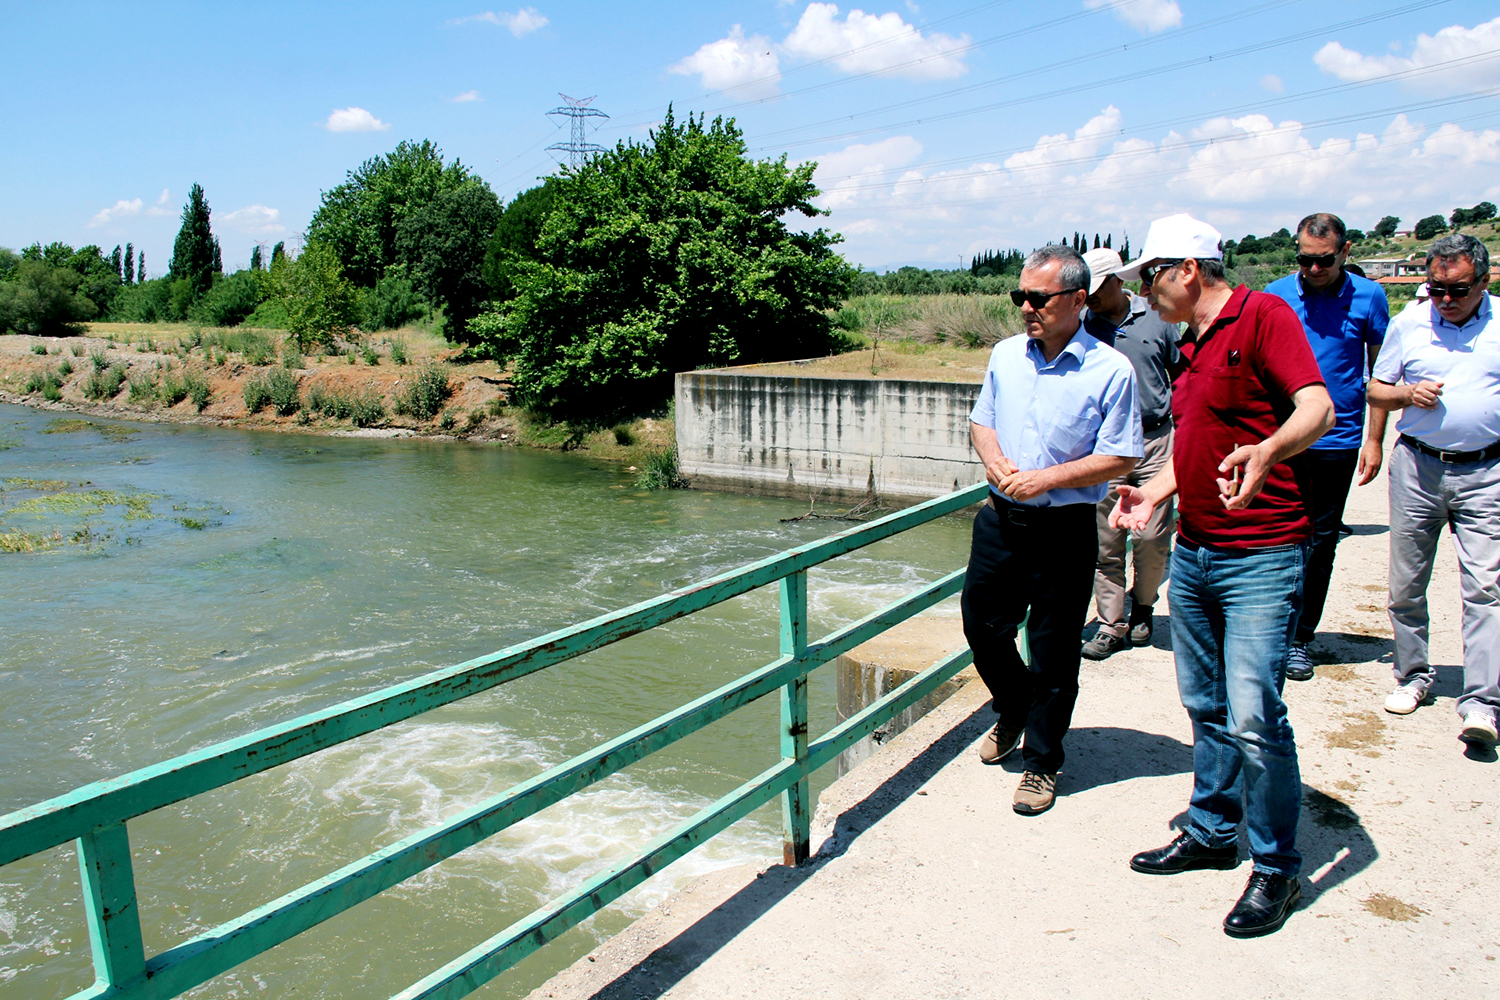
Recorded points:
(1266, 903)
(1185, 854)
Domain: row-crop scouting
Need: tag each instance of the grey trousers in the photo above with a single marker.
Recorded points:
(1150, 551)
(1426, 494)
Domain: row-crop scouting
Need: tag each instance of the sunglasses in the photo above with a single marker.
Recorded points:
(1038, 300)
(1148, 274)
(1454, 292)
(1324, 260)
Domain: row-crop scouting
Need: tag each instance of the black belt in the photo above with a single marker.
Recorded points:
(1455, 457)
(1026, 516)
(1147, 426)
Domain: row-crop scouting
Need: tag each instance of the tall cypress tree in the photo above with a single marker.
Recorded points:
(130, 263)
(255, 258)
(193, 252)
(114, 260)
(140, 267)
(277, 252)
(218, 264)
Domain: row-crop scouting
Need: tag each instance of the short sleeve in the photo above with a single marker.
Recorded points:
(1120, 427)
(1390, 365)
(983, 412)
(1379, 318)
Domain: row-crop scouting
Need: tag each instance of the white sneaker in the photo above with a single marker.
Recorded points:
(1478, 728)
(1404, 700)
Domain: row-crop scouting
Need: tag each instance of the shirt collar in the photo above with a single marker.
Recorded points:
(1482, 314)
(1077, 347)
(1303, 291)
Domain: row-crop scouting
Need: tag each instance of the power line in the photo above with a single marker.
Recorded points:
(577, 110)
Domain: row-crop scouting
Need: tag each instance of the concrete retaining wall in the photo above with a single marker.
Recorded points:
(836, 439)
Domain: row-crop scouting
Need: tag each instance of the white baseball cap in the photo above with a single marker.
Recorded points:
(1177, 237)
(1102, 262)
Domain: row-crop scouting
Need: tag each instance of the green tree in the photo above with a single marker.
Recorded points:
(320, 302)
(8, 260)
(661, 257)
(443, 245)
(193, 252)
(115, 262)
(1386, 227)
(516, 235)
(1429, 227)
(278, 252)
(255, 258)
(130, 263)
(39, 298)
(359, 218)
(1482, 212)
(140, 267)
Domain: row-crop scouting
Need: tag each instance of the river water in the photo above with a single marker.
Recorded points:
(224, 580)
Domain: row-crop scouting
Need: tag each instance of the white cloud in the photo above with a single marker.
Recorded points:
(1243, 175)
(119, 210)
(749, 65)
(254, 219)
(354, 120)
(1429, 52)
(1273, 83)
(869, 43)
(467, 96)
(522, 22)
(1149, 16)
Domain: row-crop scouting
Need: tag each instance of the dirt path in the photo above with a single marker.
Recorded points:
(927, 884)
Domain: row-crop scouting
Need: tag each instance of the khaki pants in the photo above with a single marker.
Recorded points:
(1151, 548)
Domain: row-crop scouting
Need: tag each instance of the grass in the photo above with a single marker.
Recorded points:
(424, 394)
(104, 383)
(362, 409)
(71, 425)
(658, 471)
(972, 321)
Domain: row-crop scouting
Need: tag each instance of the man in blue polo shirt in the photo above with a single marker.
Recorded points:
(1056, 420)
(1345, 317)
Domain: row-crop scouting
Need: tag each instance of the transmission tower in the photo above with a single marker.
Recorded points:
(577, 109)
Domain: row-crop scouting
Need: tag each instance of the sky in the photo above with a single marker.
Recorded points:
(940, 130)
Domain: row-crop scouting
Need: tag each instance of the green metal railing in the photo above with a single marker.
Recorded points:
(95, 816)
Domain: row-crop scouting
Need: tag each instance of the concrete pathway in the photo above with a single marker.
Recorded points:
(927, 885)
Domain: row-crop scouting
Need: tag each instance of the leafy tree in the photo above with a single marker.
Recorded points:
(661, 257)
(1355, 236)
(233, 297)
(39, 298)
(393, 302)
(359, 218)
(218, 261)
(193, 253)
(443, 246)
(278, 252)
(516, 234)
(140, 267)
(129, 264)
(1429, 227)
(320, 302)
(1386, 227)
(1482, 212)
(115, 262)
(255, 258)
(8, 260)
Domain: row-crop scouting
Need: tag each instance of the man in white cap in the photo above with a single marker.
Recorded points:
(1250, 398)
(1126, 322)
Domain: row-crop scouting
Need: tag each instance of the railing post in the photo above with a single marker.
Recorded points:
(109, 901)
(796, 821)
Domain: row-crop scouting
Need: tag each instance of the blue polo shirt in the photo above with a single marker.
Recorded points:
(1081, 403)
(1340, 324)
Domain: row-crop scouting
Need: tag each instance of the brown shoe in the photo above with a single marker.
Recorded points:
(1036, 793)
(999, 743)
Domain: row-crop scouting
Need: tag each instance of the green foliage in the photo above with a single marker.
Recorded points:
(664, 257)
(623, 435)
(443, 247)
(448, 420)
(424, 394)
(372, 358)
(362, 409)
(359, 219)
(393, 303)
(1280, 240)
(39, 349)
(65, 368)
(173, 390)
(658, 471)
(320, 304)
(143, 388)
(276, 389)
(1482, 212)
(1429, 227)
(398, 351)
(269, 315)
(997, 262)
(291, 355)
(197, 389)
(194, 251)
(257, 394)
(232, 298)
(42, 298)
(8, 260)
(1355, 235)
(516, 235)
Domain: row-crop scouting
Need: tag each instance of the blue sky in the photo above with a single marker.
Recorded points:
(941, 129)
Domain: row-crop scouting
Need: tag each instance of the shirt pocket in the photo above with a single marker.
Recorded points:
(1072, 435)
(1227, 388)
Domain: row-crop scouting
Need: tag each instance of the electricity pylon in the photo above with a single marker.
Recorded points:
(577, 109)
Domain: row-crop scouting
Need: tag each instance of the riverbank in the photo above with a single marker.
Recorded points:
(379, 369)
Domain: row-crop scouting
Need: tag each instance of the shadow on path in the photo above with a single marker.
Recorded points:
(1103, 755)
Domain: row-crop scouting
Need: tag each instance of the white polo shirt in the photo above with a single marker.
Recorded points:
(1422, 346)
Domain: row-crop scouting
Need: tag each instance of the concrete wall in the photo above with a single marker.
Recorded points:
(837, 439)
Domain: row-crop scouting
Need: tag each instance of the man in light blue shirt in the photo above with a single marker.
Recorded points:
(1441, 368)
(1344, 317)
(1056, 419)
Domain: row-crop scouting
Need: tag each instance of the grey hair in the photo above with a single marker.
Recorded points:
(1321, 225)
(1456, 245)
(1074, 272)
(1211, 270)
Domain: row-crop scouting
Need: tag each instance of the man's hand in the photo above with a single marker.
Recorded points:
(1371, 457)
(1247, 468)
(1022, 486)
(1133, 511)
(1424, 394)
(998, 470)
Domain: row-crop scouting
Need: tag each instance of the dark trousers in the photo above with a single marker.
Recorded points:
(1328, 477)
(1038, 560)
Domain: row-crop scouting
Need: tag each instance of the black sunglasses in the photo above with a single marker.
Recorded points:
(1037, 299)
(1454, 292)
(1148, 274)
(1324, 260)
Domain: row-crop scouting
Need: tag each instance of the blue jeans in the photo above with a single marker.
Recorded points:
(1233, 614)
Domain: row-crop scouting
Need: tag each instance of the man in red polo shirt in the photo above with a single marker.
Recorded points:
(1250, 398)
